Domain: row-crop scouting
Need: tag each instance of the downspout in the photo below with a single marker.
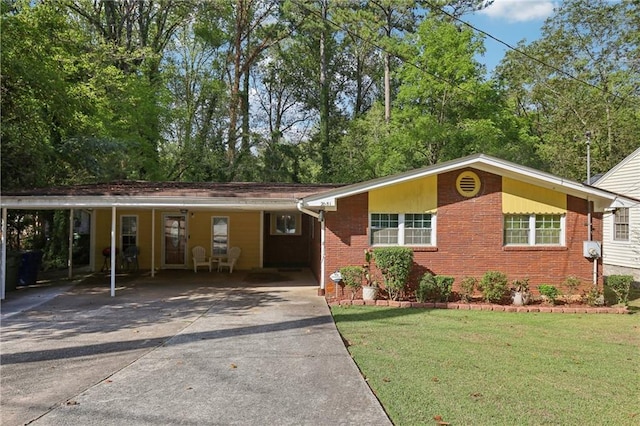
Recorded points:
(320, 217)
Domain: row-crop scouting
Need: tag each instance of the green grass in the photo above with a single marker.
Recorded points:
(497, 368)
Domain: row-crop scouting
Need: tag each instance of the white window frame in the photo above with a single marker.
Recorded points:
(213, 235)
(616, 223)
(401, 233)
(122, 234)
(532, 231)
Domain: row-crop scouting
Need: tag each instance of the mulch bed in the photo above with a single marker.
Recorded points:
(565, 309)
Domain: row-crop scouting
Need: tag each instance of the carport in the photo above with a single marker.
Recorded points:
(244, 206)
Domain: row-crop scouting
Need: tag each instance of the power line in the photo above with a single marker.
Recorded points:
(382, 49)
(444, 80)
(515, 49)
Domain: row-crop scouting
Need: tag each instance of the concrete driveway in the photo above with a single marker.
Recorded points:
(254, 348)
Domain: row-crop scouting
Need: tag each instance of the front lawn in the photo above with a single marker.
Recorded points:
(497, 368)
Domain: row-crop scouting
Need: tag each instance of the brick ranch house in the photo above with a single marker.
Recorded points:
(461, 218)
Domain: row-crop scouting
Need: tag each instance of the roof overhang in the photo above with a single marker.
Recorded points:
(602, 199)
(146, 202)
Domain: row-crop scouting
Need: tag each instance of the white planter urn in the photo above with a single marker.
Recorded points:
(369, 292)
(520, 298)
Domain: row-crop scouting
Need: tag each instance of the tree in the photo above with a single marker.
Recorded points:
(133, 36)
(581, 76)
(194, 132)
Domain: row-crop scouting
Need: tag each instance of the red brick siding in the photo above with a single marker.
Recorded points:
(346, 236)
(469, 238)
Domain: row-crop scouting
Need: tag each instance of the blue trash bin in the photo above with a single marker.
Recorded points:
(29, 267)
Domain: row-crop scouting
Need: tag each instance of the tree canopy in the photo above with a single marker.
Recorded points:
(304, 90)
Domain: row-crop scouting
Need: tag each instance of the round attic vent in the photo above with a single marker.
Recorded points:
(468, 184)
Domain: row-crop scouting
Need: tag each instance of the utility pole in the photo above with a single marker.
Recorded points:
(589, 218)
(588, 136)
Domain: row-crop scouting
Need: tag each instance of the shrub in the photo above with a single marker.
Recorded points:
(468, 286)
(550, 292)
(434, 288)
(395, 265)
(620, 285)
(352, 277)
(445, 284)
(593, 297)
(494, 286)
(427, 288)
(571, 283)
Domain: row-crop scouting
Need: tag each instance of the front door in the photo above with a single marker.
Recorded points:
(175, 240)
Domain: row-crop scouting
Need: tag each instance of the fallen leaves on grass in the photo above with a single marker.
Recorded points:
(439, 420)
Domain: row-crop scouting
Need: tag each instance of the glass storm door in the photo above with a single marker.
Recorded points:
(175, 240)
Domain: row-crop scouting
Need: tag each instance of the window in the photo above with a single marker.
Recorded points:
(417, 229)
(548, 229)
(402, 229)
(621, 224)
(516, 229)
(542, 229)
(286, 224)
(128, 231)
(384, 228)
(219, 235)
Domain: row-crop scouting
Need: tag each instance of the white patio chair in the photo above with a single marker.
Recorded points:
(200, 258)
(230, 261)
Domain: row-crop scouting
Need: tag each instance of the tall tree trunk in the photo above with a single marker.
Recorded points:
(387, 69)
(324, 96)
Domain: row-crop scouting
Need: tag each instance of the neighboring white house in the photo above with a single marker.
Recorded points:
(621, 224)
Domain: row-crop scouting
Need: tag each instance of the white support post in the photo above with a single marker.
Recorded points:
(322, 254)
(70, 254)
(3, 261)
(153, 243)
(261, 238)
(113, 251)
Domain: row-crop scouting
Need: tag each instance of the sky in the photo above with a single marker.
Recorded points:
(510, 21)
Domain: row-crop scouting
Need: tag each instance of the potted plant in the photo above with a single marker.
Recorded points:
(370, 288)
(520, 292)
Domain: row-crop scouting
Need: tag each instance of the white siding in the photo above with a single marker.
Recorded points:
(622, 253)
(623, 179)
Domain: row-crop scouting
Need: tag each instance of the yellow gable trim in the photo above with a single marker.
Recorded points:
(415, 196)
(523, 198)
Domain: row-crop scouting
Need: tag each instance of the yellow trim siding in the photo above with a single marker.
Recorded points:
(414, 196)
(523, 198)
(244, 232)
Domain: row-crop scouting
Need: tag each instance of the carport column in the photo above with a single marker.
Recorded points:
(70, 258)
(153, 243)
(3, 260)
(322, 253)
(113, 251)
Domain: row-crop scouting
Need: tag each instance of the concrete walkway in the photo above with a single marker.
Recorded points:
(180, 348)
